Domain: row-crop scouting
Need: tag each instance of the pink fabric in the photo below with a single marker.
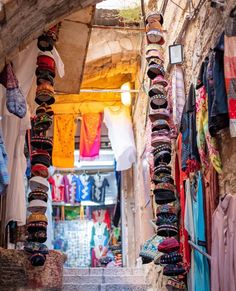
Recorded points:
(90, 135)
(223, 262)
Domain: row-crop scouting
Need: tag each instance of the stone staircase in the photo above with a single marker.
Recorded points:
(104, 279)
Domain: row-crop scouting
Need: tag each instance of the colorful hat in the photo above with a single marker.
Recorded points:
(149, 249)
(45, 42)
(160, 124)
(164, 196)
(155, 36)
(38, 194)
(162, 178)
(37, 259)
(162, 168)
(42, 122)
(154, 70)
(37, 217)
(154, 16)
(41, 108)
(38, 182)
(160, 113)
(171, 258)
(168, 245)
(158, 101)
(49, 111)
(42, 142)
(45, 61)
(44, 76)
(160, 80)
(36, 226)
(34, 247)
(40, 170)
(40, 157)
(167, 208)
(154, 47)
(37, 205)
(154, 54)
(157, 139)
(174, 270)
(166, 218)
(176, 284)
(38, 236)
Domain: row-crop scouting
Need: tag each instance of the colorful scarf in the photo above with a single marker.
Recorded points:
(90, 135)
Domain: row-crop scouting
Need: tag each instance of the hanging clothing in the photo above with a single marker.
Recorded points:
(70, 182)
(178, 94)
(223, 255)
(211, 199)
(215, 86)
(190, 155)
(100, 234)
(179, 181)
(204, 139)
(63, 141)
(98, 196)
(86, 188)
(58, 187)
(230, 79)
(90, 135)
(201, 267)
(120, 132)
(4, 175)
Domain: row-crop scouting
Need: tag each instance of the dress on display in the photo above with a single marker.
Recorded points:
(120, 132)
(99, 193)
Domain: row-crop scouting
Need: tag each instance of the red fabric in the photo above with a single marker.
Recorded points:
(102, 216)
(44, 61)
(61, 191)
(180, 176)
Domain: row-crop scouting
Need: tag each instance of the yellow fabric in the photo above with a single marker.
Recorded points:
(63, 141)
(81, 108)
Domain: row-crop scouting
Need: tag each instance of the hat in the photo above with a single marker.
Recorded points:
(44, 76)
(162, 168)
(175, 284)
(42, 142)
(45, 42)
(37, 259)
(164, 196)
(154, 70)
(160, 113)
(155, 90)
(156, 25)
(40, 157)
(45, 61)
(160, 80)
(168, 245)
(160, 124)
(37, 236)
(171, 258)
(49, 111)
(162, 178)
(166, 218)
(174, 270)
(44, 96)
(39, 170)
(158, 101)
(36, 226)
(167, 208)
(38, 182)
(154, 16)
(167, 230)
(37, 205)
(38, 194)
(154, 47)
(37, 217)
(53, 32)
(34, 247)
(42, 122)
(41, 108)
(155, 36)
(149, 249)
(154, 54)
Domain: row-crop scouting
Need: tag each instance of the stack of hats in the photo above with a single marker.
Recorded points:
(41, 150)
(159, 114)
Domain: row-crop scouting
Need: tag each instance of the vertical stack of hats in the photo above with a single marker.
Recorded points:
(41, 150)
(159, 114)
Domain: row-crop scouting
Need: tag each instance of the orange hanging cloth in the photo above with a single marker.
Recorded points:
(64, 141)
(90, 136)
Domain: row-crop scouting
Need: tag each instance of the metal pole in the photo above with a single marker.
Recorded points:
(199, 250)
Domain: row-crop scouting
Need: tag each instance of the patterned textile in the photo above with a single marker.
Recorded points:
(90, 135)
(63, 141)
(4, 175)
(178, 94)
(204, 139)
(230, 80)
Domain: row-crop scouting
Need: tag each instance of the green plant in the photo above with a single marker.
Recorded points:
(130, 14)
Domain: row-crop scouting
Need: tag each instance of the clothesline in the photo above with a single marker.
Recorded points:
(199, 250)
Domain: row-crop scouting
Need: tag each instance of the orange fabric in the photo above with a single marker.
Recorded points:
(64, 141)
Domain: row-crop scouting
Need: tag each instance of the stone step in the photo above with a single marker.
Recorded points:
(103, 271)
(105, 287)
(98, 279)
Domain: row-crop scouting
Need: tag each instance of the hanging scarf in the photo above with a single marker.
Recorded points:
(90, 135)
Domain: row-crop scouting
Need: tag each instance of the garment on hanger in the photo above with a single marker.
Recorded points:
(99, 193)
(178, 93)
(58, 187)
(4, 175)
(190, 155)
(223, 254)
(90, 135)
(86, 187)
(63, 141)
(120, 132)
(71, 186)
(204, 139)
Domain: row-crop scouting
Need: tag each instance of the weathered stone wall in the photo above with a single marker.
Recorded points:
(200, 35)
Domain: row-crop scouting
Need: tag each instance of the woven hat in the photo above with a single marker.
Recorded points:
(154, 70)
(160, 80)
(38, 194)
(174, 270)
(158, 101)
(160, 124)
(40, 170)
(162, 168)
(168, 245)
(37, 236)
(38, 182)
(160, 113)
(37, 217)
(42, 142)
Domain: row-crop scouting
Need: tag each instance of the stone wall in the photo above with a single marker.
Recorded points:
(200, 35)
